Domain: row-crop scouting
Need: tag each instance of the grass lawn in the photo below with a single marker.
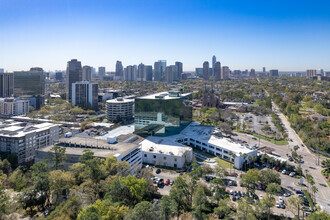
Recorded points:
(225, 164)
(272, 140)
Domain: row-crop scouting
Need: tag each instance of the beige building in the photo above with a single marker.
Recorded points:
(120, 109)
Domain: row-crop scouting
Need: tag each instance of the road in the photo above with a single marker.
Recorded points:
(323, 194)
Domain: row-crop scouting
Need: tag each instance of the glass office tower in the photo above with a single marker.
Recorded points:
(163, 114)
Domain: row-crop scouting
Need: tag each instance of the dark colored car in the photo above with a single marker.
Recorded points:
(234, 198)
(158, 171)
(299, 192)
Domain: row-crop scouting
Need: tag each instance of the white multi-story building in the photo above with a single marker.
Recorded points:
(204, 138)
(23, 139)
(13, 106)
(120, 109)
(85, 94)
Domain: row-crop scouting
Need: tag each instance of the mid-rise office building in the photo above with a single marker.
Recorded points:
(2, 70)
(119, 71)
(86, 73)
(163, 113)
(24, 139)
(179, 66)
(73, 74)
(273, 72)
(310, 73)
(6, 84)
(140, 75)
(217, 71)
(101, 72)
(206, 70)
(120, 109)
(171, 73)
(85, 94)
(13, 106)
(30, 85)
(225, 73)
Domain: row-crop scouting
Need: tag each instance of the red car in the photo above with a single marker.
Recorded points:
(167, 182)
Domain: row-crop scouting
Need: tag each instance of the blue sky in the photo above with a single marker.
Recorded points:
(287, 35)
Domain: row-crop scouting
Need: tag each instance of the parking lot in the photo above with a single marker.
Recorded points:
(165, 174)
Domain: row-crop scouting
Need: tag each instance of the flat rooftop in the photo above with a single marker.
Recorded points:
(120, 100)
(11, 128)
(78, 144)
(163, 96)
(121, 130)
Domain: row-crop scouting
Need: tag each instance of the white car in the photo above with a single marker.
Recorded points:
(280, 200)
(278, 205)
(283, 171)
(260, 197)
(292, 174)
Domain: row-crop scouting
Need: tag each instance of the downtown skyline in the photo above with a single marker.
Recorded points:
(242, 35)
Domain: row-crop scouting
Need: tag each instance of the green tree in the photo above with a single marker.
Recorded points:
(321, 215)
(70, 207)
(273, 188)
(58, 156)
(165, 211)
(267, 203)
(245, 210)
(18, 180)
(326, 165)
(268, 176)
(219, 189)
(59, 181)
(199, 203)
(142, 211)
(4, 198)
(87, 155)
(137, 187)
(223, 208)
(250, 179)
(88, 213)
(294, 205)
(40, 180)
(179, 193)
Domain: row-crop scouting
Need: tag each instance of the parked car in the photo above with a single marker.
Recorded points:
(299, 192)
(167, 182)
(280, 199)
(282, 205)
(171, 183)
(278, 205)
(283, 171)
(243, 194)
(158, 171)
(292, 174)
(234, 198)
(254, 138)
(260, 197)
(290, 159)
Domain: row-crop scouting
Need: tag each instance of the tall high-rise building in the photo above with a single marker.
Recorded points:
(264, 69)
(180, 69)
(217, 71)
(310, 73)
(214, 60)
(130, 73)
(101, 72)
(2, 70)
(59, 76)
(322, 72)
(87, 73)
(85, 94)
(169, 74)
(73, 74)
(206, 71)
(6, 84)
(273, 72)
(30, 85)
(225, 72)
(252, 73)
(147, 72)
(119, 70)
(140, 75)
(159, 70)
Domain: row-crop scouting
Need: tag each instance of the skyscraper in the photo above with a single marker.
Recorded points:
(225, 72)
(30, 85)
(252, 73)
(310, 73)
(214, 60)
(101, 72)
(264, 69)
(59, 76)
(140, 75)
(147, 72)
(169, 74)
(85, 95)
(180, 69)
(206, 74)
(6, 84)
(217, 71)
(130, 73)
(159, 70)
(119, 70)
(73, 74)
(87, 73)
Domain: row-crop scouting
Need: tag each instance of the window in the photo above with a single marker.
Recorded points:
(164, 158)
(145, 155)
(154, 156)
(175, 159)
(226, 152)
